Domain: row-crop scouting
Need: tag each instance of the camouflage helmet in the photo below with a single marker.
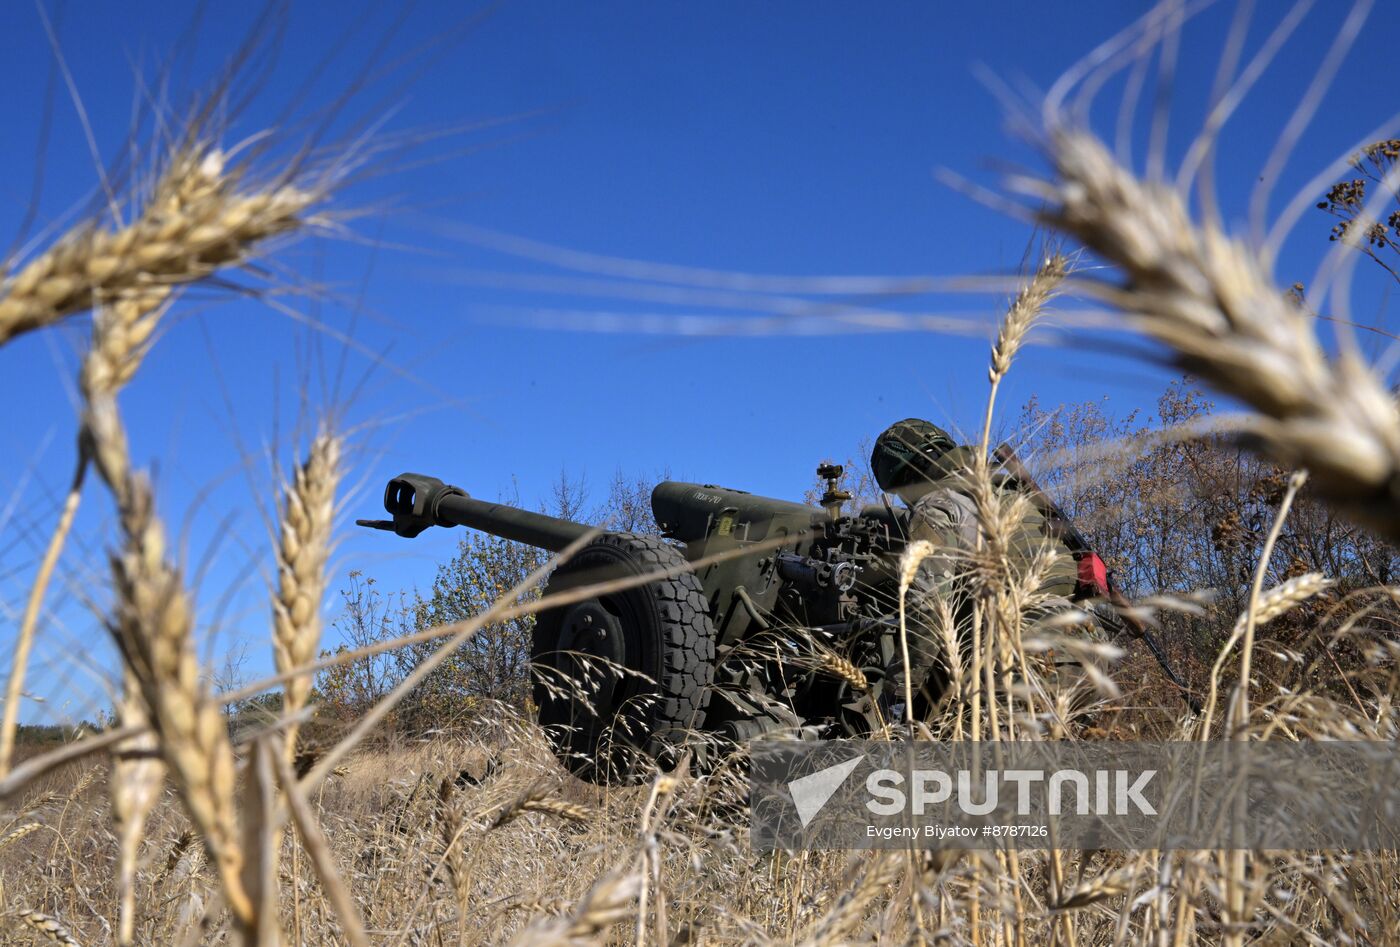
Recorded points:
(908, 452)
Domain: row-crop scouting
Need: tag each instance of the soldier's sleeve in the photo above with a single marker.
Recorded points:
(947, 520)
(1029, 541)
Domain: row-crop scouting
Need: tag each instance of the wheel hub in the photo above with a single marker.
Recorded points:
(590, 631)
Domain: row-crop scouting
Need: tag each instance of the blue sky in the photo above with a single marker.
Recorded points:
(787, 138)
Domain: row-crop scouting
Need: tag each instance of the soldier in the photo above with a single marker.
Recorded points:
(922, 465)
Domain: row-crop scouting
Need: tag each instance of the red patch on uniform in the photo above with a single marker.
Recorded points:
(1093, 576)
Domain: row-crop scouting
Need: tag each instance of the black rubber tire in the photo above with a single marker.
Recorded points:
(669, 645)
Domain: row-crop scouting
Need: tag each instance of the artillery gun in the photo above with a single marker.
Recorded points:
(747, 614)
(732, 638)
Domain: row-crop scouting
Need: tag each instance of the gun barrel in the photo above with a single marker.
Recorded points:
(418, 502)
(509, 522)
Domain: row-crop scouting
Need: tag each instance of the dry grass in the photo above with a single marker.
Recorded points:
(396, 844)
(187, 841)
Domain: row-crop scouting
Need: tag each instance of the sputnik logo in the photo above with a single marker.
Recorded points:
(811, 792)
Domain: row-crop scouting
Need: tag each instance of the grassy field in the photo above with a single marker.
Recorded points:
(169, 828)
(482, 840)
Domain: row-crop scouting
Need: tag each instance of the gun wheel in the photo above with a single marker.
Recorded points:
(622, 679)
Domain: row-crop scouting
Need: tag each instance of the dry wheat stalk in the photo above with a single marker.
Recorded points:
(37, 802)
(137, 775)
(121, 333)
(513, 809)
(999, 516)
(658, 806)
(29, 623)
(1211, 299)
(451, 827)
(261, 842)
(915, 553)
(308, 507)
(178, 848)
(562, 809)
(196, 222)
(535, 905)
(608, 902)
(314, 840)
(1272, 604)
(945, 621)
(85, 781)
(1239, 700)
(1284, 597)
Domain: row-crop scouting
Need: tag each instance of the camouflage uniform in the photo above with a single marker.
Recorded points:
(945, 515)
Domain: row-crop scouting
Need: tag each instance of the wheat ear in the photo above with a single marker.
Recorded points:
(46, 926)
(537, 799)
(153, 625)
(1275, 602)
(154, 628)
(1113, 884)
(121, 335)
(917, 552)
(196, 221)
(451, 828)
(609, 902)
(842, 668)
(1210, 299)
(308, 508)
(882, 870)
(19, 832)
(1025, 309)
